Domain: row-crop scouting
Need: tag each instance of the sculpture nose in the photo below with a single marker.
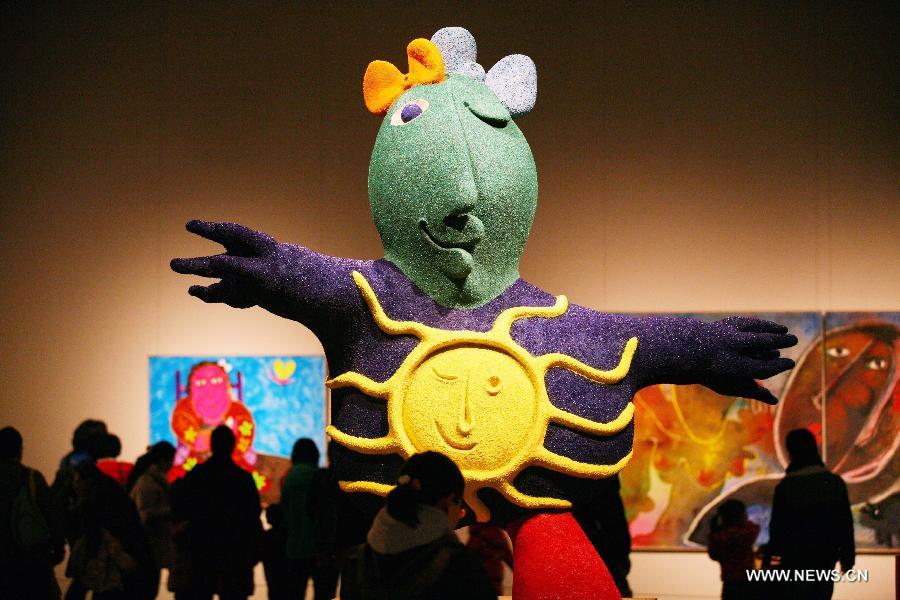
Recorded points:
(456, 222)
(464, 422)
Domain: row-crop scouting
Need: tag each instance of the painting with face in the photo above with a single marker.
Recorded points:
(845, 391)
(191, 396)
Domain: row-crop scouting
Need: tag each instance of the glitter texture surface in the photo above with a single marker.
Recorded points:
(383, 82)
(460, 51)
(514, 80)
(554, 560)
(454, 192)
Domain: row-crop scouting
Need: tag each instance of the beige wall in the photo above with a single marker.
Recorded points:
(702, 157)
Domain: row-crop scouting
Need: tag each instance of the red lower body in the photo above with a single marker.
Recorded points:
(553, 559)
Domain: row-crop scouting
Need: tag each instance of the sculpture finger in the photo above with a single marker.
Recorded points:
(744, 387)
(752, 324)
(219, 265)
(745, 366)
(754, 391)
(761, 341)
(236, 238)
(764, 354)
(223, 292)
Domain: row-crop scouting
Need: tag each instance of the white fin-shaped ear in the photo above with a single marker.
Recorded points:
(514, 80)
(459, 51)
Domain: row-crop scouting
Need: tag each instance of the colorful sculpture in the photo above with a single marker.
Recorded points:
(442, 346)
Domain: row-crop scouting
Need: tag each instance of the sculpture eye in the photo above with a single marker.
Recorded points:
(838, 352)
(409, 112)
(877, 364)
(442, 376)
(493, 385)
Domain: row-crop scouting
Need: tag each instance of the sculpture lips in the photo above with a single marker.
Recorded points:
(453, 443)
(458, 231)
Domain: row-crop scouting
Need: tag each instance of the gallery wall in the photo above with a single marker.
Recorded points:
(691, 157)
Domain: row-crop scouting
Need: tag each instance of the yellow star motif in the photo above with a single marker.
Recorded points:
(259, 479)
(190, 463)
(243, 444)
(479, 398)
(245, 428)
(190, 434)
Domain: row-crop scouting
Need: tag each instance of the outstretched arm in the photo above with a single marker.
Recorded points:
(255, 270)
(727, 356)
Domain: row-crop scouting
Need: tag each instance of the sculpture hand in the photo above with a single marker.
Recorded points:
(745, 350)
(243, 268)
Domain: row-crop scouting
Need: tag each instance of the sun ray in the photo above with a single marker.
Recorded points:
(615, 375)
(362, 383)
(572, 421)
(564, 464)
(369, 487)
(505, 319)
(482, 512)
(522, 499)
(381, 445)
(385, 323)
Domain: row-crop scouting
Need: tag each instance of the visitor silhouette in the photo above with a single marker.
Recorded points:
(31, 536)
(149, 489)
(731, 540)
(811, 525)
(339, 524)
(296, 504)
(218, 506)
(111, 556)
(603, 521)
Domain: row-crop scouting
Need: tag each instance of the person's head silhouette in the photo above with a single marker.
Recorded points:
(802, 448)
(10, 444)
(221, 442)
(306, 452)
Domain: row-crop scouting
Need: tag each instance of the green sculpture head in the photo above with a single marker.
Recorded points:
(453, 190)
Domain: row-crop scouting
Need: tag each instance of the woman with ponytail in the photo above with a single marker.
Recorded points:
(411, 551)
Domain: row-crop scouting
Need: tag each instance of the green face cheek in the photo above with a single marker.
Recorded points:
(506, 178)
(419, 171)
(453, 196)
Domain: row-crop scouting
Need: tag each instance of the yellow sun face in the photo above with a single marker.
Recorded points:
(479, 398)
(461, 399)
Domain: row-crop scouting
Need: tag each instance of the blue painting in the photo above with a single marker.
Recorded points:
(268, 402)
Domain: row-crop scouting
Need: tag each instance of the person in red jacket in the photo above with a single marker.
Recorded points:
(490, 544)
(731, 545)
(109, 463)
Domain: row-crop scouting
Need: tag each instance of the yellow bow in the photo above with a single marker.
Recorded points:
(383, 82)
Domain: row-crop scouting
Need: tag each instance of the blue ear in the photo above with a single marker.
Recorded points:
(514, 80)
(459, 50)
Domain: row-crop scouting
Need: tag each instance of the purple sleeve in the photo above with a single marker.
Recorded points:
(670, 350)
(310, 288)
(727, 356)
(256, 270)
